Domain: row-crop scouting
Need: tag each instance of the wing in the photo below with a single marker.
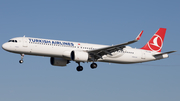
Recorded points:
(98, 53)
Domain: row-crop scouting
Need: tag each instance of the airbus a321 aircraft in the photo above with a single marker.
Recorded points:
(62, 52)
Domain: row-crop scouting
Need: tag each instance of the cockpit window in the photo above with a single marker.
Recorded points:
(12, 41)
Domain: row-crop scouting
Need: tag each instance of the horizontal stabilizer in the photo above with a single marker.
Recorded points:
(164, 53)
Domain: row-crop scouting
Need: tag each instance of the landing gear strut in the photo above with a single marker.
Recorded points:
(93, 65)
(79, 68)
(22, 56)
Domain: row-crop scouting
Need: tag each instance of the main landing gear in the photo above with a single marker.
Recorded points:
(80, 68)
(93, 65)
(22, 56)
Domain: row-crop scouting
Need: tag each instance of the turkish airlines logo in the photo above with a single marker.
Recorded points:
(156, 43)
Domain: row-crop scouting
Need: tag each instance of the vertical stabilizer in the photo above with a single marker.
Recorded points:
(156, 42)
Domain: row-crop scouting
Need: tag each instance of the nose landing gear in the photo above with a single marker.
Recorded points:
(21, 61)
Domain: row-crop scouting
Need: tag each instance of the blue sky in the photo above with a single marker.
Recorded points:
(93, 21)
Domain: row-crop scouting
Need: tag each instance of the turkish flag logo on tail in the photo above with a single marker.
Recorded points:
(156, 42)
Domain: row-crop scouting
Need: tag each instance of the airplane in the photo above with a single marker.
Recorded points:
(62, 52)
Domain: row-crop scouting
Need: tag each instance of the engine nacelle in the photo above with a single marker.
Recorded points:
(79, 56)
(58, 61)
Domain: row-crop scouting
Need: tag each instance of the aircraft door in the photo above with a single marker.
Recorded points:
(25, 42)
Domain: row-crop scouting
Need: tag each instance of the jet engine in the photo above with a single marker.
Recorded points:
(58, 61)
(79, 56)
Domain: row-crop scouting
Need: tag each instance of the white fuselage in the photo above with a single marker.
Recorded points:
(61, 49)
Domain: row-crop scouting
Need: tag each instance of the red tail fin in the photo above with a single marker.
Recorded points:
(156, 42)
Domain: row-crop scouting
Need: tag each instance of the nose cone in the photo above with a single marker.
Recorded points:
(5, 46)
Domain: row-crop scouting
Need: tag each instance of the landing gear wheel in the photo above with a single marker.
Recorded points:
(93, 65)
(79, 68)
(21, 61)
